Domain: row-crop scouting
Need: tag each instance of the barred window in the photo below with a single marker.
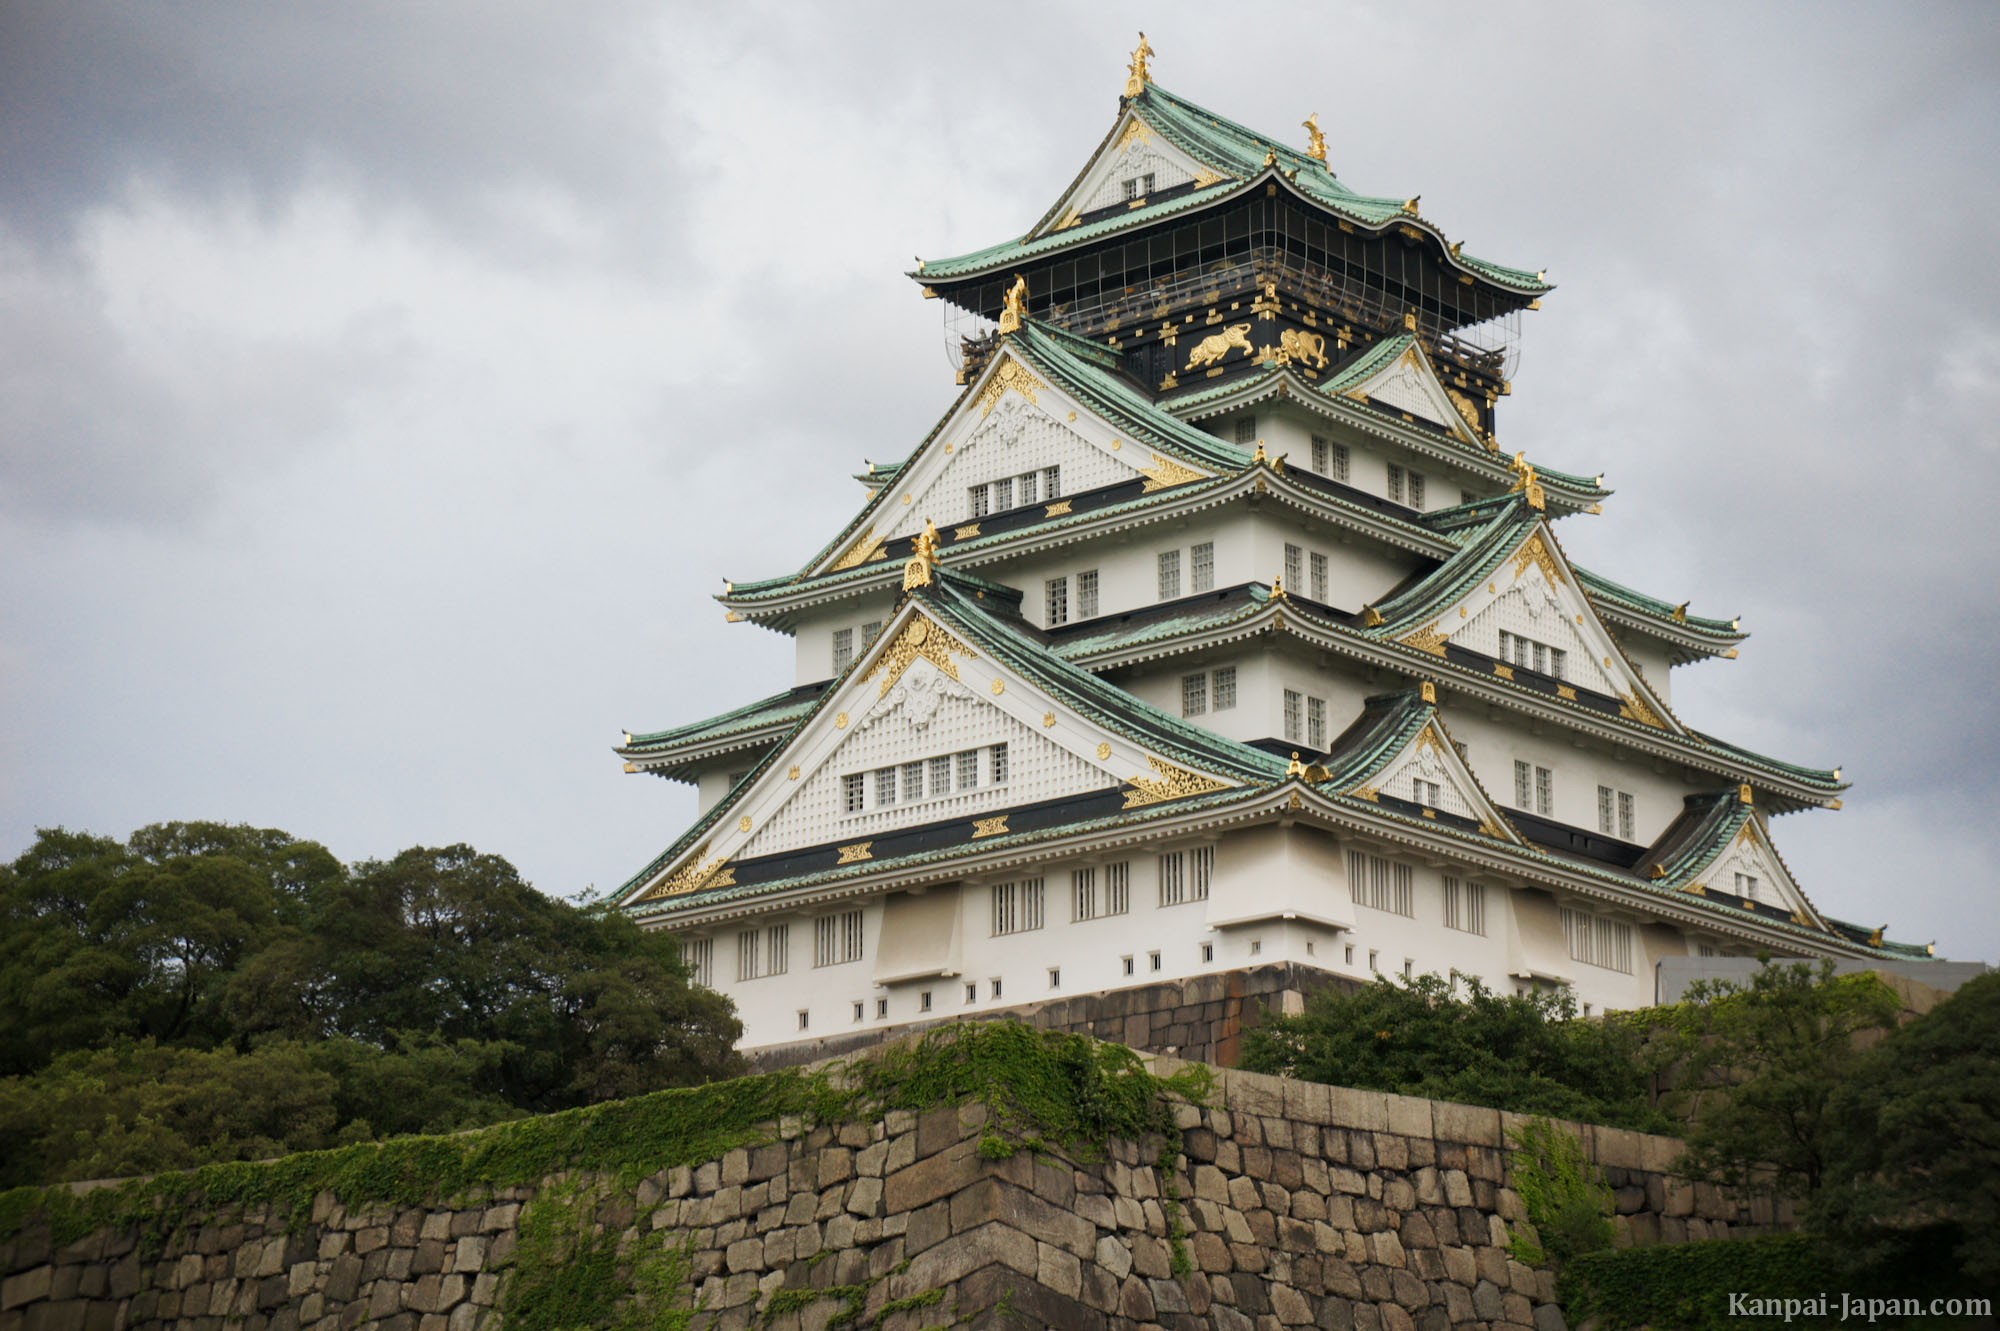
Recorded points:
(1086, 593)
(1222, 695)
(913, 782)
(1017, 907)
(1246, 429)
(1294, 715)
(1319, 577)
(843, 649)
(1170, 574)
(1380, 883)
(1464, 906)
(1031, 488)
(1083, 894)
(1416, 489)
(999, 752)
(871, 631)
(968, 769)
(1316, 723)
(885, 787)
(1545, 792)
(778, 949)
(1331, 460)
(1395, 482)
(1201, 868)
(1746, 886)
(1295, 566)
(1597, 941)
(941, 775)
(1201, 567)
(1523, 775)
(1003, 494)
(980, 500)
(1194, 695)
(1118, 888)
(1057, 600)
(837, 938)
(854, 791)
(749, 955)
(1425, 792)
(698, 955)
(1627, 816)
(1052, 482)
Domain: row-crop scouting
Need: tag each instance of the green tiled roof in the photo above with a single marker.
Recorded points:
(774, 710)
(1137, 630)
(1601, 586)
(1483, 551)
(1233, 151)
(1818, 776)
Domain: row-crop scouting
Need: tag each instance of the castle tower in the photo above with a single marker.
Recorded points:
(1217, 625)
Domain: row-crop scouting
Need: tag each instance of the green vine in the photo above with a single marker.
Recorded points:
(1568, 1205)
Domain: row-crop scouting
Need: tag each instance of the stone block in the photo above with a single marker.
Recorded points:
(1058, 1270)
(26, 1287)
(1364, 1110)
(1620, 1148)
(1253, 1093)
(935, 1176)
(1308, 1102)
(1470, 1124)
(1291, 1307)
(1408, 1116)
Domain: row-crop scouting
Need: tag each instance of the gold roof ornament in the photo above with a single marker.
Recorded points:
(1410, 204)
(1278, 592)
(1138, 73)
(1270, 157)
(1744, 794)
(923, 557)
(1295, 767)
(1014, 307)
(1315, 140)
(1428, 691)
(1372, 617)
(1260, 458)
(1681, 612)
(1875, 939)
(1525, 482)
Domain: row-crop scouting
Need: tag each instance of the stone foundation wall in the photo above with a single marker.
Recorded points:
(1201, 1018)
(1298, 1205)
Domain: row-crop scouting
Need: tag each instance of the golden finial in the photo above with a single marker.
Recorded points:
(1542, 275)
(1260, 458)
(1409, 321)
(1875, 939)
(1270, 157)
(1014, 306)
(1456, 246)
(1745, 795)
(1681, 612)
(1315, 141)
(1428, 691)
(1295, 767)
(1278, 592)
(1139, 75)
(1410, 204)
(1525, 482)
(1372, 617)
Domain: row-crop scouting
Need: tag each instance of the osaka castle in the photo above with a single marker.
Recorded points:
(1217, 624)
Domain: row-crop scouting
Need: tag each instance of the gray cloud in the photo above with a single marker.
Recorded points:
(388, 389)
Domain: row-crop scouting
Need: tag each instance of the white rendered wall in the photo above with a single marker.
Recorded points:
(1493, 746)
(813, 634)
(1089, 955)
(1288, 433)
(1653, 665)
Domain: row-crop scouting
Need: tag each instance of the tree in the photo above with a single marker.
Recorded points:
(1914, 1158)
(1760, 1065)
(1530, 1053)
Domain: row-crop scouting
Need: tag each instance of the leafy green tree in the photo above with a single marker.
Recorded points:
(1913, 1164)
(1429, 1036)
(1759, 1068)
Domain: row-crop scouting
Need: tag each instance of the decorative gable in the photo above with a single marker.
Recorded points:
(924, 729)
(1529, 613)
(1134, 164)
(1427, 772)
(1409, 382)
(1013, 441)
(1748, 866)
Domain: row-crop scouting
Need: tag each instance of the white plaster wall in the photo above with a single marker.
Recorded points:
(1492, 747)
(813, 634)
(1653, 666)
(1089, 953)
(1288, 433)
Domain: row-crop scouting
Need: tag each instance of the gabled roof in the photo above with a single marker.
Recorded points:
(744, 727)
(1420, 615)
(1371, 760)
(1711, 833)
(1238, 157)
(1150, 755)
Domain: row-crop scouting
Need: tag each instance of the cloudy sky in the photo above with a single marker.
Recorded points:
(386, 388)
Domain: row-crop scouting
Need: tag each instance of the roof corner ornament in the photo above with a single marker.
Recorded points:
(923, 557)
(1428, 691)
(1457, 247)
(1371, 617)
(1014, 306)
(1315, 140)
(1525, 482)
(1681, 612)
(1411, 204)
(1270, 157)
(1875, 939)
(1260, 458)
(1745, 795)
(1139, 73)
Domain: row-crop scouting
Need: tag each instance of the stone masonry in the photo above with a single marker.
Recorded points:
(1300, 1206)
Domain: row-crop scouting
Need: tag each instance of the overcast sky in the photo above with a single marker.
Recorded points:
(386, 388)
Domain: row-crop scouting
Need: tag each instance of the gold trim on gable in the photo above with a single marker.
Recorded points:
(921, 639)
(1167, 783)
